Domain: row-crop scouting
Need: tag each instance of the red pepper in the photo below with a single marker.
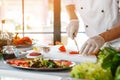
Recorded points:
(73, 52)
(62, 48)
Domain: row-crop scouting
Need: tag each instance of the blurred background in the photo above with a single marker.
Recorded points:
(43, 20)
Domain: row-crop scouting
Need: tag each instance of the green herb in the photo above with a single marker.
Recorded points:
(117, 75)
(111, 59)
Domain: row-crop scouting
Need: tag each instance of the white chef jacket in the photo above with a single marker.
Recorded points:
(97, 15)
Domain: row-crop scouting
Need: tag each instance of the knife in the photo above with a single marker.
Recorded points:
(76, 44)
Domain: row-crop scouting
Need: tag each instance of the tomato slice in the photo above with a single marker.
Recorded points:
(73, 52)
(11, 61)
(62, 48)
(16, 62)
(66, 63)
(63, 62)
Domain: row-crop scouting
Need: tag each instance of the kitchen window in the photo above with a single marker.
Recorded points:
(35, 17)
(38, 19)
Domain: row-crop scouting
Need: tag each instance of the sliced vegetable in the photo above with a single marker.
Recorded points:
(39, 62)
(62, 48)
(90, 71)
(73, 52)
(66, 63)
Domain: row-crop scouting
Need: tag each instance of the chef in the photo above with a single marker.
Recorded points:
(101, 19)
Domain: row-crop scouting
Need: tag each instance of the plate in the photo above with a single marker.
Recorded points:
(24, 46)
(34, 54)
(40, 68)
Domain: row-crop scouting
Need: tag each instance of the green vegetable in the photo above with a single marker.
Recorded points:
(90, 71)
(117, 77)
(51, 64)
(39, 62)
(111, 59)
(106, 68)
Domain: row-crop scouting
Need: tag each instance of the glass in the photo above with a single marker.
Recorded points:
(37, 48)
(4, 37)
(46, 49)
(64, 39)
(41, 48)
(9, 52)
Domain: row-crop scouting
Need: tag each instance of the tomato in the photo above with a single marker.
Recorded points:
(66, 63)
(25, 64)
(62, 48)
(18, 62)
(63, 62)
(11, 62)
(73, 52)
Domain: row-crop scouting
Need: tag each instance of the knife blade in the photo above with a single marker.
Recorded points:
(76, 45)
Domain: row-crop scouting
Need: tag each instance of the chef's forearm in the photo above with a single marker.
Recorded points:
(71, 12)
(111, 34)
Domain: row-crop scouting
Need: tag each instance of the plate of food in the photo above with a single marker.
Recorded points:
(22, 42)
(40, 63)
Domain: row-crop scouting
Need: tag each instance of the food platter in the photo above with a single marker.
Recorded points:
(40, 68)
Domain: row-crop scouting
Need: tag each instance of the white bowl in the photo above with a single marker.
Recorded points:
(34, 54)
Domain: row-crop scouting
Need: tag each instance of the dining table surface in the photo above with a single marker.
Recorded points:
(55, 75)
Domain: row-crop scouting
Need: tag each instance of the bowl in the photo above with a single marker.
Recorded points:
(34, 54)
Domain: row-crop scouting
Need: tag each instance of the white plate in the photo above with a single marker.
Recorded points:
(28, 55)
(41, 69)
(24, 46)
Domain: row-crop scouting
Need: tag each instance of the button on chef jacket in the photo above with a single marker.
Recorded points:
(97, 15)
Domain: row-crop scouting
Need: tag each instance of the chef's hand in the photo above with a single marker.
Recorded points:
(92, 45)
(72, 28)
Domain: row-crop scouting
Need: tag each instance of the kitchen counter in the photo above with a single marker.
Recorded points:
(51, 75)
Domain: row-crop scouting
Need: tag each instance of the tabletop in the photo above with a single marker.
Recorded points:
(54, 53)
